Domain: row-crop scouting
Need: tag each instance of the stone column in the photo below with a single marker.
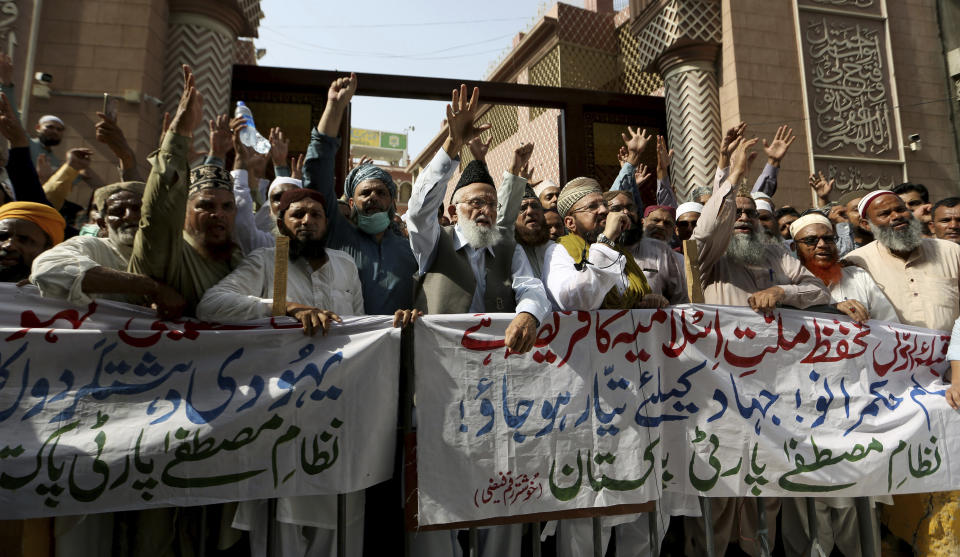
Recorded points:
(202, 34)
(693, 115)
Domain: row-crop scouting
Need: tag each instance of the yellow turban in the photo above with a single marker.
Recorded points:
(44, 216)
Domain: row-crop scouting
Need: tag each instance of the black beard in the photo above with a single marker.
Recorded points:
(308, 249)
(48, 142)
(14, 273)
(632, 235)
(527, 237)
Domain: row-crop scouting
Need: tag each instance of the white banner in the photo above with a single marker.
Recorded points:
(104, 408)
(616, 407)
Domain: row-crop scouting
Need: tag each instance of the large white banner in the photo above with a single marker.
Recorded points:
(105, 408)
(616, 407)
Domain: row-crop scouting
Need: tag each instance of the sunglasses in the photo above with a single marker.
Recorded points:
(812, 241)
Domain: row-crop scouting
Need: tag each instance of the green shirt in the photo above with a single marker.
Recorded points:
(162, 249)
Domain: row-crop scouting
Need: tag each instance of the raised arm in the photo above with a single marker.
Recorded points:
(156, 250)
(58, 186)
(20, 169)
(111, 135)
(510, 193)
(715, 226)
(318, 168)
(665, 194)
(427, 195)
(246, 233)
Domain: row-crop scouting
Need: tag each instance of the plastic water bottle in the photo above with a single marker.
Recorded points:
(249, 135)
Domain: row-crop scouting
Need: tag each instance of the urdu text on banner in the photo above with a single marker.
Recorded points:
(616, 407)
(103, 408)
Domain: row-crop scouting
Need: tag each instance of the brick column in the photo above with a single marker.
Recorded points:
(693, 115)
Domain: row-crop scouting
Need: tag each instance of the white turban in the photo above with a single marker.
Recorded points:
(542, 186)
(689, 207)
(763, 205)
(807, 220)
(867, 199)
(279, 181)
(50, 118)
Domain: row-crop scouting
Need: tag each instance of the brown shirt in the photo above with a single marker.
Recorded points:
(924, 288)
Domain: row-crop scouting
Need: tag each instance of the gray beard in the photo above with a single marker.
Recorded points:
(746, 250)
(767, 238)
(900, 241)
(479, 237)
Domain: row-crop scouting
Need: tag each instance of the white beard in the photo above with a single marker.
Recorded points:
(900, 241)
(746, 249)
(479, 237)
(122, 237)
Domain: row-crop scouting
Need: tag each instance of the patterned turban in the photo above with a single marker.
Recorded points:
(574, 191)
(210, 177)
(366, 172)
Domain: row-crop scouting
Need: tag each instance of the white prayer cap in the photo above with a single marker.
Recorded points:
(760, 195)
(867, 199)
(50, 118)
(763, 205)
(689, 207)
(279, 181)
(544, 185)
(807, 220)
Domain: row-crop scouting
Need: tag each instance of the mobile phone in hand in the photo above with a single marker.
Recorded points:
(110, 106)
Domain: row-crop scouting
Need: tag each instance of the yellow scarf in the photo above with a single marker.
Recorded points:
(579, 250)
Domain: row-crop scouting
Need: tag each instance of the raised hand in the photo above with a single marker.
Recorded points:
(821, 186)
(635, 143)
(729, 143)
(10, 126)
(78, 158)
(622, 156)
(521, 158)
(221, 137)
(781, 143)
(247, 157)
(279, 146)
(44, 168)
(741, 158)
(664, 157)
(110, 134)
(479, 148)
(342, 90)
(641, 174)
(190, 110)
(461, 113)
(296, 167)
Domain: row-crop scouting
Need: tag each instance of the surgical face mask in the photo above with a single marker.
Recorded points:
(373, 224)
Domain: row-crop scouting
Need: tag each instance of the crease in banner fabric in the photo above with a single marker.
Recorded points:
(104, 408)
(624, 407)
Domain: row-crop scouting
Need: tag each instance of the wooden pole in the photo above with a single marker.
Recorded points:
(691, 263)
(280, 276)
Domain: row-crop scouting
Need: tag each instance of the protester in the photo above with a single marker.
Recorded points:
(189, 255)
(701, 194)
(588, 269)
(87, 267)
(917, 199)
(554, 224)
(27, 229)
(49, 130)
(659, 223)
(737, 268)
(473, 266)
(383, 257)
(687, 215)
(785, 217)
(921, 277)
(946, 219)
(531, 232)
(322, 285)
(549, 192)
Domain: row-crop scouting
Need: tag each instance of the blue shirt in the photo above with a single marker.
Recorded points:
(386, 268)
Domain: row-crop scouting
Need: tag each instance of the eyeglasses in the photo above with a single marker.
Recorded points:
(591, 208)
(751, 213)
(812, 241)
(622, 208)
(480, 203)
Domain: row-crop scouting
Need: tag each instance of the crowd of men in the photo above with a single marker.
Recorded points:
(198, 240)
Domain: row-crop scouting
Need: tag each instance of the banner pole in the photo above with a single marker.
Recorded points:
(597, 537)
(762, 528)
(691, 265)
(811, 506)
(341, 525)
(707, 514)
(654, 530)
(473, 545)
(866, 523)
(280, 256)
(535, 538)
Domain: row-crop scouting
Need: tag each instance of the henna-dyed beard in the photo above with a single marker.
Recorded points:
(830, 274)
